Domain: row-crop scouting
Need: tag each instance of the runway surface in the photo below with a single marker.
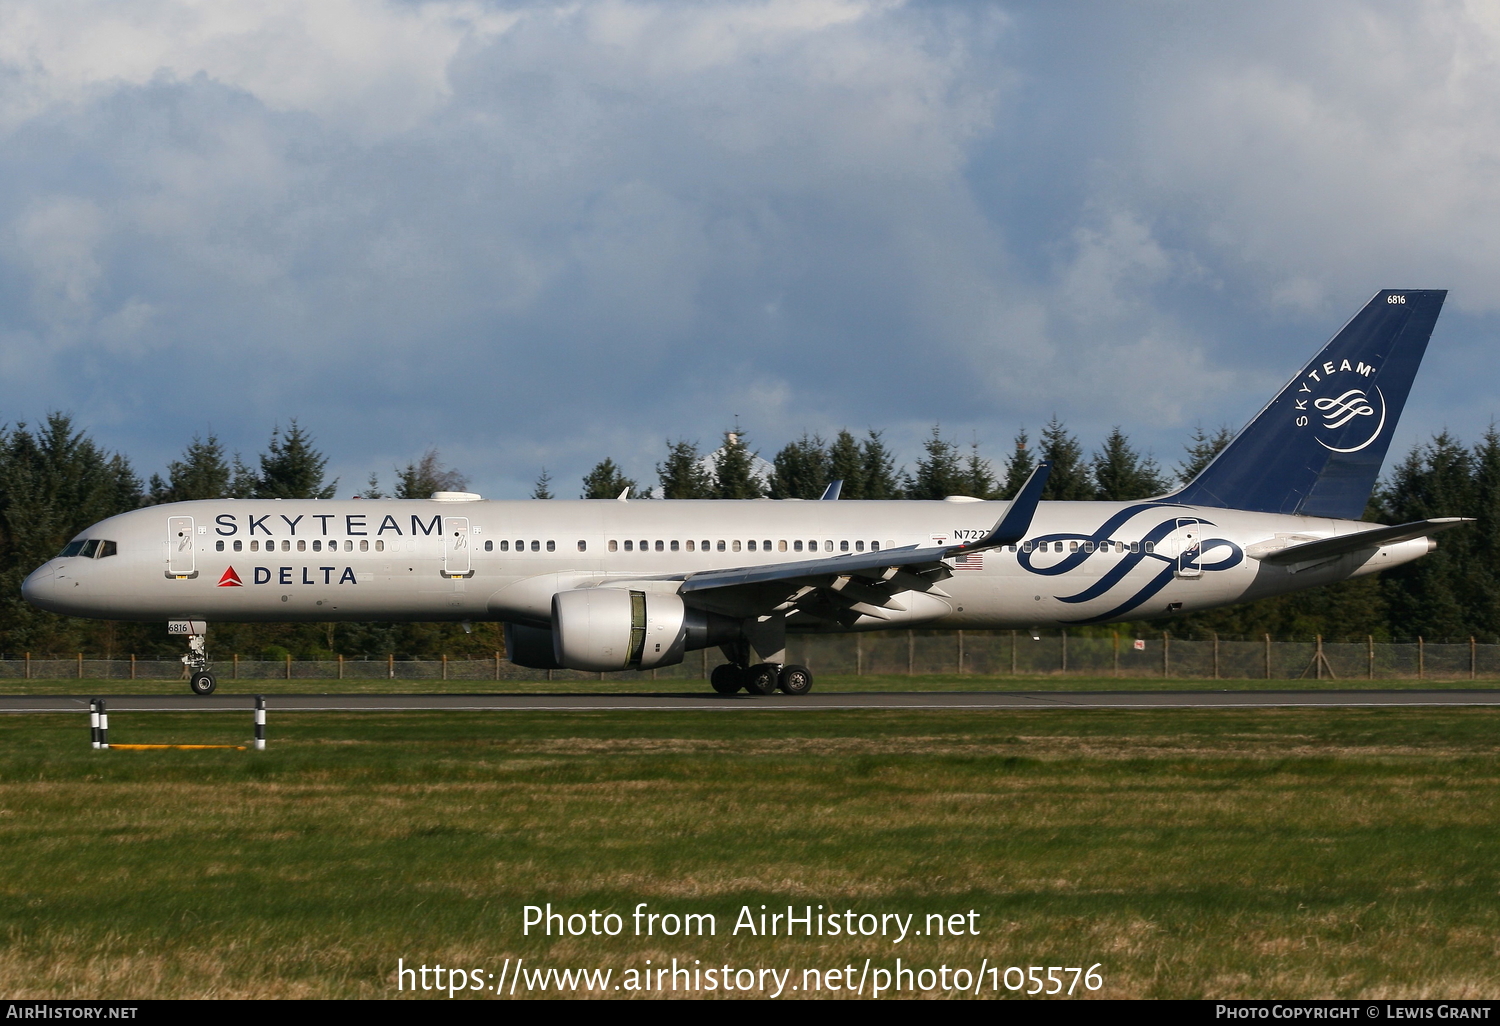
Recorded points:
(677, 702)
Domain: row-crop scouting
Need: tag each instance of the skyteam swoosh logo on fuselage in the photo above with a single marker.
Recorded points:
(1191, 558)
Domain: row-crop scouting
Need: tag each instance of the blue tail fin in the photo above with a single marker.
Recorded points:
(1316, 449)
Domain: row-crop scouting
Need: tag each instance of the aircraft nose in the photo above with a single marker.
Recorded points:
(38, 587)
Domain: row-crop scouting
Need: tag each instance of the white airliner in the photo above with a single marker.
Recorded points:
(614, 585)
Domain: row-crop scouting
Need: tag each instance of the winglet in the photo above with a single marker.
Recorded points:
(624, 496)
(833, 489)
(1017, 520)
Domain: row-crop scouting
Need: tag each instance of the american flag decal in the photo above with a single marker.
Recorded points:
(969, 561)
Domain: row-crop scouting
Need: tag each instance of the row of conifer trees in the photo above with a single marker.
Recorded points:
(55, 480)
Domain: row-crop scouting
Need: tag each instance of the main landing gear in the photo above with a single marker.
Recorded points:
(761, 679)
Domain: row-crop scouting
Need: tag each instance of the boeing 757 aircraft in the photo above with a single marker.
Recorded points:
(615, 585)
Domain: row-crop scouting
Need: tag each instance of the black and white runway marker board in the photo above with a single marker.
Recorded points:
(260, 723)
(94, 722)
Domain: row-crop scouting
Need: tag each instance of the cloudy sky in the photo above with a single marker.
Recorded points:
(539, 234)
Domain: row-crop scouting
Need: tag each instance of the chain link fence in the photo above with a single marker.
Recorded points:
(911, 653)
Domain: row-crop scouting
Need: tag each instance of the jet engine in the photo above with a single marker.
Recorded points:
(618, 629)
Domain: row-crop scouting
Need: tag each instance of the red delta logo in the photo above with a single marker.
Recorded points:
(231, 579)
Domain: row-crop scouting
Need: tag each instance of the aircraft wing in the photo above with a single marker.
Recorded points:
(1327, 548)
(843, 588)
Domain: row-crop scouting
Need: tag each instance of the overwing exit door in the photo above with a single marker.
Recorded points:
(180, 556)
(456, 560)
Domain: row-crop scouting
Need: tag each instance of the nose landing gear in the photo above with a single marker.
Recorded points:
(201, 680)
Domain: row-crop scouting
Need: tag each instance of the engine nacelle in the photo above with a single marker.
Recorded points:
(615, 629)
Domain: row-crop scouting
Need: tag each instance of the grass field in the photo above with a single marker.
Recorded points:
(644, 685)
(1192, 854)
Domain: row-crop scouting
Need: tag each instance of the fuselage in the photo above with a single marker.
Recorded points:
(287, 560)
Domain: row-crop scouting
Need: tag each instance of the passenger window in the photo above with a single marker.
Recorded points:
(1058, 547)
(1150, 546)
(752, 544)
(797, 545)
(286, 546)
(536, 546)
(843, 546)
(645, 546)
(1088, 546)
(659, 546)
(520, 545)
(703, 545)
(690, 545)
(1072, 546)
(219, 546)
(614, 546)
(380, 546)
(489, 546)
(736, 545)
(1025, 546)
(238, 545)
(583, 546)
(254, 546)
(781, 545)
(90, 548)
(765, 546)
(674, 545)
(859, 546)
(317, 545)
(828, 545)
(109, 549)
(364, 545)
(721, 544)
(629, 545)
(551, 546)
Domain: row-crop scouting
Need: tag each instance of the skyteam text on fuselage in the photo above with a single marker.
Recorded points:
(616, 584)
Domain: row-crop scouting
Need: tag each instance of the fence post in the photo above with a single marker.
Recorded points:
(1268, 657)
(28, 665)
(497, 665)
(1370, 656)
(1421, 658)
(132, 666)
(288, 666)
(911, 652)
(1318, 657)
(1216, 655)
(1012, 653)
(960, 653)
(1064, 657)
(260, 723)
(705, 664)
(235, 672)
(1471, 657)
(1116, 636)
(1166, 654)
(390, 666)
(859, 655)
(80, 666)
(445, 665)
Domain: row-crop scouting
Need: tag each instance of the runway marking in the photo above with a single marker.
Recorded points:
(902, 700)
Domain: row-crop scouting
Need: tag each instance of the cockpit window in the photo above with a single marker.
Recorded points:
(90, 548)
(107, 548)
(71, 549)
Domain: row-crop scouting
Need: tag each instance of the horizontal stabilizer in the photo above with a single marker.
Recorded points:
(1327, 548)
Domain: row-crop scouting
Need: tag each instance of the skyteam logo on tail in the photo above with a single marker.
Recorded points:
(1344, 405)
